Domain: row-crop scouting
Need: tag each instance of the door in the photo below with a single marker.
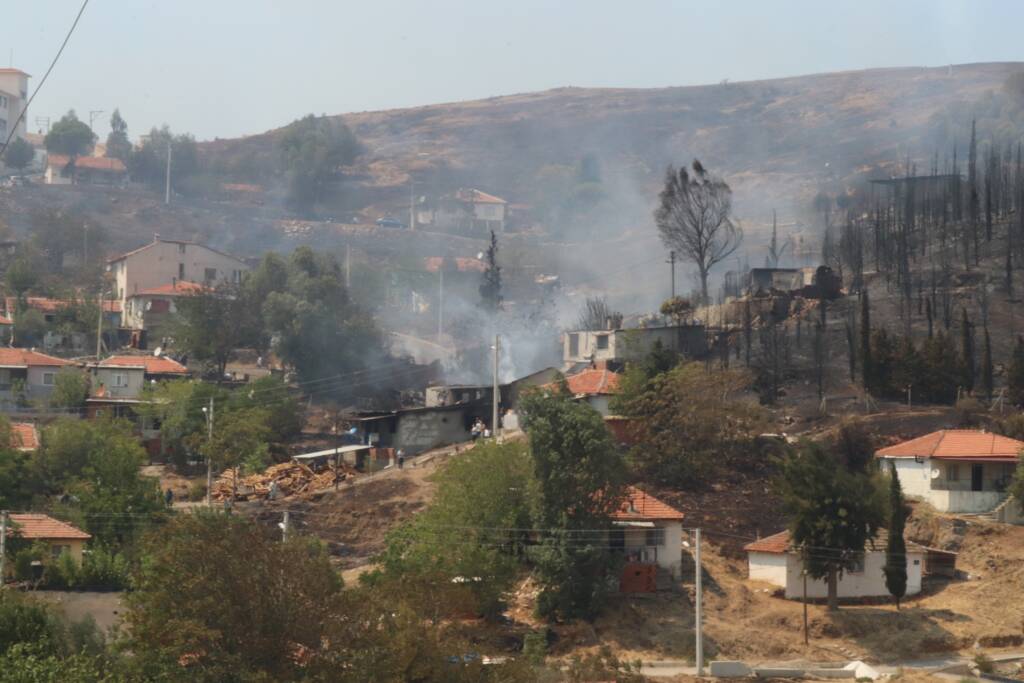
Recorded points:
(976, 473)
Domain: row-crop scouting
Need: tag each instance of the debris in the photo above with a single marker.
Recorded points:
(286, 479)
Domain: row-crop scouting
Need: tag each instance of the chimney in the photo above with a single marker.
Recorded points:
(156, 237)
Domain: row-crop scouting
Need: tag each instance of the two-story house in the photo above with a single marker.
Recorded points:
(13, 100)
(168, 262)
(27, 374)
(468, 211)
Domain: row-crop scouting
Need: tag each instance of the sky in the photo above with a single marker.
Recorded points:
(225, 68)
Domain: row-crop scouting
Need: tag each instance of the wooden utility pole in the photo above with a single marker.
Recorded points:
(699, 626)
(496, 398)
(209, 456)
(806, 639)
(672, 265)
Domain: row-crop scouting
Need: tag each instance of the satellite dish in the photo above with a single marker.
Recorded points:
(936, 473)
(157, 351)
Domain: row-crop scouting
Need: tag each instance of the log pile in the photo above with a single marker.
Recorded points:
(291, 478)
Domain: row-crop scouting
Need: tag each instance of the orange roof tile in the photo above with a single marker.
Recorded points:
(956, 444)
(109, 164)
(47, 305)
(24, 436)
(180, 288)
(642, 506)
(593, 382)
(23, 358)
(4, 320)
(153, 365)
(472, 195)
(780, 543)
(45, 527)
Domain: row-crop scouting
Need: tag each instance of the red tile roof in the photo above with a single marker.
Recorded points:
(152, 364)
(24, 436)
(780, 543)
(45, 527)
(4, 320)
(641, 506)
(23, 358)
(462, 265)
(956, 444)
(593, 382)
(157, 240)
(478, 197)
(180, 288)
(47, 305)
(108, 164)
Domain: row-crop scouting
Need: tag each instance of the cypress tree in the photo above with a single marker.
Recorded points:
(896, 549)
(866, 363)
(987, 373)
(967, 350)
(1015, 376)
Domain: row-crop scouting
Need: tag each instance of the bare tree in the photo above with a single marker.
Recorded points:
(693, 218)
(596, 314)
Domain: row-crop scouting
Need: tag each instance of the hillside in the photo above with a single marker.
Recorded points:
(777, 141)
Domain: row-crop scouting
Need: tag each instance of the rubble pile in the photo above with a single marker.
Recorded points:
(286, 479)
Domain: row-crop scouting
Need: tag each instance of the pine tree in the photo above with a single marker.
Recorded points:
(987, 371)
(490, 288)
(866, 363)
(967, 350)
(896, 549)
(1015, 376)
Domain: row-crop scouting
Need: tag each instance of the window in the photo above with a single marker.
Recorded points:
(181, 248)
(58, 550)
(48, 378)
(602, 341)
(952, 472)
(181, 271)
(3, 101)
(211, 274)
(655, 536)
(120, 380)
(574, 345)
(857, 566)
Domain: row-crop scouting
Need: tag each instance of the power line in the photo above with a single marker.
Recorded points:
(43, 79)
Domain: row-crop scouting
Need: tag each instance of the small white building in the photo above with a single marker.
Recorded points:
(648, 531)
(467, 210)
(595, 385)
(955, 470)
(622, 345)
(166, 262)
(774, 560)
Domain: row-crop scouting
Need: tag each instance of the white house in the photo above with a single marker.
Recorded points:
(774, 560)
(622, 345)
(166, 262)
(146, 309)
(86, 170)
(468, 210)
(13, 100)
(955, 470)
(648, 531)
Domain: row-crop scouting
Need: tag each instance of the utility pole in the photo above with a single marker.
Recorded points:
(348, 266)
(99, 328)
(699, 627)
(496, 397)
(3, 544)
(412, 204)
(806, 639)
(209, 458)
(284, 525)
(440, 301)
(672, 265)
(167, 180)
(93, 113)
(43, 121)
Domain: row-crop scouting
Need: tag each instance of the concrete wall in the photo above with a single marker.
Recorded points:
(632, 344)
(947, 493)
(35, 384)
(158, 264)
(865, 584)
(422, 430)
(769, 567)
(668, 555)
(15, 88)
(105, 376)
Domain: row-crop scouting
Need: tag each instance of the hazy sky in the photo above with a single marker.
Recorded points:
(222, 68)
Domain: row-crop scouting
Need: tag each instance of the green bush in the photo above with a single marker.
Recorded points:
(535, 646)
(197, 491)
(103, 570)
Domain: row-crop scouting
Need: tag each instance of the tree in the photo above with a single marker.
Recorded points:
(69, 391)
(776, 250)
(69, 137)
(240, 439)
(22, 275)
(987, 371)
(148, 163)
(689, 423)
(967, 350)
(677, 308)
(312, 150)
(578, 481)
(490, 285)
(694, 219)
(867, 366)
(19, 154)
(896, 548)
(1015, 374)
(118, 144)
(213, 323)
(833, 513)
(596, 314)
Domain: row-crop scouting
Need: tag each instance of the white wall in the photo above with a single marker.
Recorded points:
(866, 584)
(770, 567)
(946, 495)
(601, 404)
(669, 554)
(915, 477)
